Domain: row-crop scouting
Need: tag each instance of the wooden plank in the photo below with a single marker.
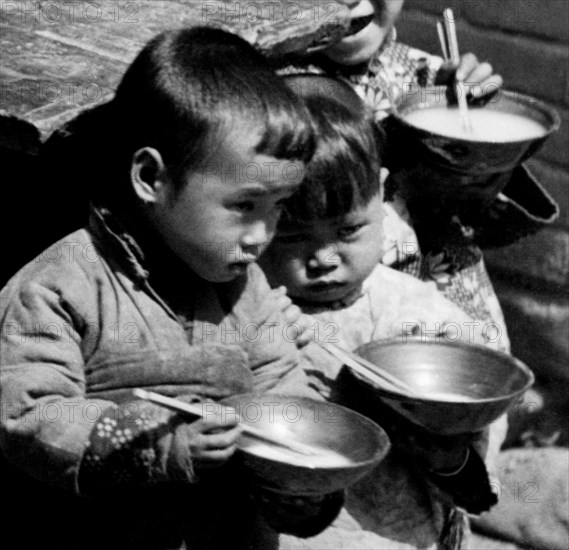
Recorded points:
(43, 77)
(62, 56)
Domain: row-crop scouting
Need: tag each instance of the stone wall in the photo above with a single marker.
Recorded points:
(527, 43)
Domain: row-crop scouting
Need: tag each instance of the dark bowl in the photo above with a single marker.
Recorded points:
(466, 386)
(473, 157)
(360, 443)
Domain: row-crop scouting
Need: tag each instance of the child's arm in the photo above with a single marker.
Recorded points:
(270, 329)
(51, 428)
(153, 446)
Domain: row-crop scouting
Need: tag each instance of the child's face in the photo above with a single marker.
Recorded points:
(361, 46)
(326, 260)
(224, 215)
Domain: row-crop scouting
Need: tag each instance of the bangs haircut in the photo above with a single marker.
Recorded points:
(344, 172)
(185, 92)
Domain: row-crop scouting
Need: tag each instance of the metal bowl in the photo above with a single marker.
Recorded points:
(466, 386)
(473, 157)
(359, 443)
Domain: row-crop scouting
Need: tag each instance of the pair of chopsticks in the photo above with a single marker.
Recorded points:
(449, 46)
(374, 373)
(196, 409)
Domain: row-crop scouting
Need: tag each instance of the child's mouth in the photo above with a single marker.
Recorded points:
(325, 287)
(359, 24)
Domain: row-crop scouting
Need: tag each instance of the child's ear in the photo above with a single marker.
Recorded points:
(148, 175)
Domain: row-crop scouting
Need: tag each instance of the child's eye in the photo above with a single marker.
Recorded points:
(244, 206)
(349, 230)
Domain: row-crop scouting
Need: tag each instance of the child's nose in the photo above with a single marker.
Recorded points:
(324, 259)
(257, 236)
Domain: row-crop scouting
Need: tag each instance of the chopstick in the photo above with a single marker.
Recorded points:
(450, 28)
(369, 370)
(443, 41)
(450, 50)
(197, 410)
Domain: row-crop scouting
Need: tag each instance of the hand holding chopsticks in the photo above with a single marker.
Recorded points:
(449, 46)
(197, 409)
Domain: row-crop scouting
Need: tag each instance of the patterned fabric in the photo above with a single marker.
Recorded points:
(110, 437)
(130, 450)
(457, 268)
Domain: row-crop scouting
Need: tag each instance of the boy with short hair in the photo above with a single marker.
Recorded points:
(153, 294)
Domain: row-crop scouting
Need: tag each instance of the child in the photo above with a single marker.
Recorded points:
(326, 253)
(424, 237)
(189, 166)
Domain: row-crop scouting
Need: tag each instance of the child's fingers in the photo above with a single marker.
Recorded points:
(468, 62)
(304, 339)
(215, 446)
(216, 423)
(275, 300)
(305, 336)
(279, 291)
(488, 86)
(283, 303)
(190, 443)
(214, 459)
(218, 440)
(479, 73)
(292, 313)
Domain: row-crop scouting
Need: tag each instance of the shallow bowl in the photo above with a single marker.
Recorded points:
(466, 387)
(359, 443)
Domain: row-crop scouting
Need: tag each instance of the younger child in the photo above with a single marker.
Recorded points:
(427, 236)
(189, 166)
(326, 252)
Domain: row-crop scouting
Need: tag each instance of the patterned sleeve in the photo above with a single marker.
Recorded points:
(130, 446)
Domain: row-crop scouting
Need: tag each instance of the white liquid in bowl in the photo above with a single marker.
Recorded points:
(323, 458)
(487, 125)
(448, 397)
